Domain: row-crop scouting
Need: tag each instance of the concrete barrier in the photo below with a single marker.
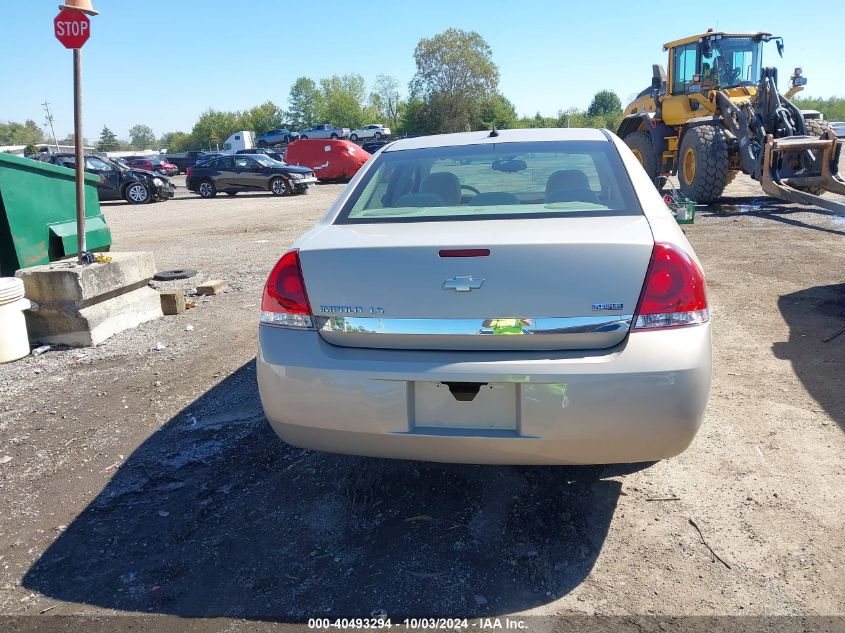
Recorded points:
(85, 305)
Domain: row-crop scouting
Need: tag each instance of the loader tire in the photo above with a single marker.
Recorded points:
(703, 163)
(814, 128)
(642, 147)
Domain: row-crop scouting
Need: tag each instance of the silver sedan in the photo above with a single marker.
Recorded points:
(512, 297)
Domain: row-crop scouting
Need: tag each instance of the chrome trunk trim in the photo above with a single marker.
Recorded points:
(587, 332)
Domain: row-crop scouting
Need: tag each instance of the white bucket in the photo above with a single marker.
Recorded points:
(14, 342)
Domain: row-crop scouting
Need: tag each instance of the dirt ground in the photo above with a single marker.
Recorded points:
(141, 477)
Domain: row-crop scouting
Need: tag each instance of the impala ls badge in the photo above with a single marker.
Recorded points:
(462, 284)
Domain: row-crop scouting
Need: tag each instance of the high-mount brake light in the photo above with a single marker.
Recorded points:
(674, 293)
(285, 300)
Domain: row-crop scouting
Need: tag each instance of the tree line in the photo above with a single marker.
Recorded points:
(455, 88)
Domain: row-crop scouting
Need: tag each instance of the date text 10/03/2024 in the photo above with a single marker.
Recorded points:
(418, 623)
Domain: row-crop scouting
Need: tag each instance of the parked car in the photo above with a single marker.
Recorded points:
(185, 160)
(248, 172)
(375, 131)
(371, 147)
(330, 160)
(324, 131)
(275, 137)
(838, 128)
(520, 297)
(118, 182)
(153, 164)
(262, 150)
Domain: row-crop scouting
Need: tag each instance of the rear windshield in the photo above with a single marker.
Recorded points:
(493, 181)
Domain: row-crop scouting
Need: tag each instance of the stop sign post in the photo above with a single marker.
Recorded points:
(73, 28)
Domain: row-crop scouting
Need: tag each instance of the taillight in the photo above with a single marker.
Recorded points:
(674, 293)
(188, 171)
(285, 300)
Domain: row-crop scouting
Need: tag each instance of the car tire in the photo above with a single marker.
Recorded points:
(206, 188)
(262, 144)
(353, 137)
(137, 193)
(279, 186)
(640, 144)
(814, 128)
(302, 137)
(378, 136)
(334, 137)
(174, 275)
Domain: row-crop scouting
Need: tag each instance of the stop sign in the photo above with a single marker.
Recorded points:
(72, 28)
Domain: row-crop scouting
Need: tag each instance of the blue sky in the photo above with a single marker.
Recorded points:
(162, 62)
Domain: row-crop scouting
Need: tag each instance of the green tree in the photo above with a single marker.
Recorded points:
(213, 127)
(27, 133)
(833, 108)
(176, 141)
(260, 119)
(416, 118)
(343, 100)
(605, 103)
(70, 140)
(141, 136)
(496, 111)
(108, 140)
(304, 104)
(455, 73)
(386, 101)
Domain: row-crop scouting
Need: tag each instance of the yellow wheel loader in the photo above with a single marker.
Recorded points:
(718, 112)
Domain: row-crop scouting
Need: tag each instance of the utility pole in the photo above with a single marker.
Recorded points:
(50, 123)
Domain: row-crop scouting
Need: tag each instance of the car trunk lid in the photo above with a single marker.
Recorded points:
(546, 284)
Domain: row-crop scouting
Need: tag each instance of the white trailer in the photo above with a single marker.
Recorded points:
(238, 141)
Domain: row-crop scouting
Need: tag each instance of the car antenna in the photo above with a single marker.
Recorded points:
(493, 132)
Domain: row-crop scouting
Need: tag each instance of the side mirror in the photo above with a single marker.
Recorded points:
(779, 44)
(655, 83)
(799, 81)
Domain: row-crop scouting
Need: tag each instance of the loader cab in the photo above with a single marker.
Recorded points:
(712, 61)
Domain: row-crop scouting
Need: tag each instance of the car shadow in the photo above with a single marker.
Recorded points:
(813, 315)
(214, 516)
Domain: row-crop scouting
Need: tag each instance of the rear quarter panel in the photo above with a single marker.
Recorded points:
(664, 228)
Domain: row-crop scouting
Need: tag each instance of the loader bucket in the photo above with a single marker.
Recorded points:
(778, 153)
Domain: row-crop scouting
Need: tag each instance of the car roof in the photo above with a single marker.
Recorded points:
(504, 136)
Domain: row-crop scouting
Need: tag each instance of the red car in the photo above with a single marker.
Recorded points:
(152, 163)
(330, 160)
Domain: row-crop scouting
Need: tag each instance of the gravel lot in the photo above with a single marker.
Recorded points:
(135, 480)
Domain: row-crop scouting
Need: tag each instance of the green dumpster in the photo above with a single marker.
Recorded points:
(38, 214)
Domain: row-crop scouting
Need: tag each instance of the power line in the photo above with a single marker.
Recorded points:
(50, 123)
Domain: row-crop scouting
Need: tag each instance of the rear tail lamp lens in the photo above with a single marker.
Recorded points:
(674, 293)
(285, 300)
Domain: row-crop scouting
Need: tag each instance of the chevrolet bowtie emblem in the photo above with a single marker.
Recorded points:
(462, 284)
